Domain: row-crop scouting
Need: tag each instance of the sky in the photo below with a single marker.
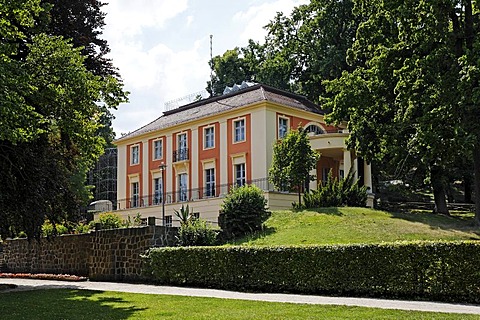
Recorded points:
(162, 47)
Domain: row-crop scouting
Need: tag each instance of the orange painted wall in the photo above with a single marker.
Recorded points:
(239, 147)
(212, 153)
(327, 162)
(134, 169)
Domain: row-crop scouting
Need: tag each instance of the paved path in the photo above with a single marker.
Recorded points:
(29, 284)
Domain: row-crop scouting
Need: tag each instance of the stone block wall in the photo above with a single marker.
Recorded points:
(65, 254)
(116, 254)
(100, 255)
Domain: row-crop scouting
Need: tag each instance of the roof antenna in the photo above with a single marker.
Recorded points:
(211, 65)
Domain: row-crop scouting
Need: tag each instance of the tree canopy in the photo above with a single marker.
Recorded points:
(293, 159)
(50, 110)
(411, 93)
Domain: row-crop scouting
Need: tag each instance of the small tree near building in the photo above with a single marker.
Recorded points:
(293, 159)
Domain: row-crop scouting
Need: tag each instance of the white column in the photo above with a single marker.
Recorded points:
(145, 174)
(347, 161)
(223, 153)
(313, 183)
(194, 162)
(169, 169)
(367, 176)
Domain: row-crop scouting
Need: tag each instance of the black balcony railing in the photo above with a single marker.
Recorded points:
(184, 195)
(180, 155)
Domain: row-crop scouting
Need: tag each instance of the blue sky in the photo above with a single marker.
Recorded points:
(162, 47)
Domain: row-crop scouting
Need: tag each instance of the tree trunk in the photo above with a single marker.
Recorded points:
(300, 195)
(476, 169)
(467, 188)
(438, 190)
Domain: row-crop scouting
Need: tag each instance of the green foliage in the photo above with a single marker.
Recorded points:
(436, 271)
(108, 220)
(49, 230)
(243, 211)
(52, 107)
(196, 232)
(184, 215)
(293, 159)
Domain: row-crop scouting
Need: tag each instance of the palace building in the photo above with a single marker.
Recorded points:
(195, 153)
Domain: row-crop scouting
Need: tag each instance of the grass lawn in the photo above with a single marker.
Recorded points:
(360, 225)
(74, 304)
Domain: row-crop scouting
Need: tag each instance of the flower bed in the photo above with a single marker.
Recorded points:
(43, 276)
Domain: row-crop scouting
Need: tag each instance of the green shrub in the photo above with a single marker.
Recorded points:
(184, 215)
(243, 211)
(48, 229)
(336, 193)
(445, 271)
(196, 232)
(108, 220)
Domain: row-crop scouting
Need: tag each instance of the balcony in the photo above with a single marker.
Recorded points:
(180, 155)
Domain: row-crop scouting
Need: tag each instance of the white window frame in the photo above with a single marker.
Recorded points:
(157, 190)
(210, 190)
(135, 196)
(209, 137)
(168, 221)
(242, 179)
(182, 189)
(135, 156)
(182, 150)
(280, 133)
(242, 130)
(158, 146)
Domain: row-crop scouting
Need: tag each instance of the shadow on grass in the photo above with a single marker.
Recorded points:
(323, 210)
(255, 236)
(64, 304)
(439, 221)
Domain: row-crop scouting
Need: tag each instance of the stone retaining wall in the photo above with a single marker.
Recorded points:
(99, 255)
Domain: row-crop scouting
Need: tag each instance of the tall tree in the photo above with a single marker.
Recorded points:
(49, 117)
(405, 96)
(293, 159)
(300, 50)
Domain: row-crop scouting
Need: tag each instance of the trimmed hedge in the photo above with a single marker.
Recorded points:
(443, 271)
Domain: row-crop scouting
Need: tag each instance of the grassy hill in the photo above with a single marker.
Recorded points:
(360, 225)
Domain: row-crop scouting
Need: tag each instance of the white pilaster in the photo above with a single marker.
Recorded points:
(169, 170)
(223, 153)
(194, 160)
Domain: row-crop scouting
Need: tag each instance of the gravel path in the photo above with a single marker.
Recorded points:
(29, 284)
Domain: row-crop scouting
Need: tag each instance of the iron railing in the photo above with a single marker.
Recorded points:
(180, 155)
(218, 191)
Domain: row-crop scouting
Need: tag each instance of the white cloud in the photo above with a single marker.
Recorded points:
(189, 21)
(127, 18)
(256, 17)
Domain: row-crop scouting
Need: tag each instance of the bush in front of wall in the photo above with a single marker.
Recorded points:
(196, 233)
(108, 220)
(243, 211)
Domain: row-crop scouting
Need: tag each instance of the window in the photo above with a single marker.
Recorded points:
(209, 138)
(210, 182)
(239, 130)
(342, 174)
(240, 174)
(313, 128)
(135, 195)
(182, 152)
(182, 187)
(282, 127)
(158, 191)
(157, 149)
(135, 154)
(168, 221)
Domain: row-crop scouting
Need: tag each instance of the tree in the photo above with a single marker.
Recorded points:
(409, 96)
(300, 50)
(293, 159)
(50, 114)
